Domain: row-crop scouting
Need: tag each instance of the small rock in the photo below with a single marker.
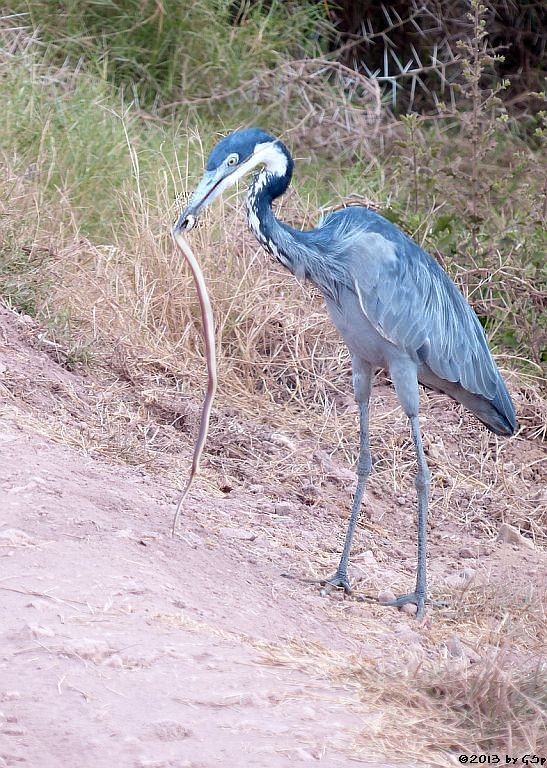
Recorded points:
(408, 635)
(14, 536)
(466, 553)
(88, 649)
(10, 695)
(365, 557)
(409, 608)
(436, 450)
(511, 535)
(337, 511)
(125, 533)
(460, 579)
(40, 630)
(454, 647)
(255, 488)
(458, 650)
(283, 508)
(192, 539)
(277, 438)
(386, 596)
(401, 501)
(171, 731)
(243, 534)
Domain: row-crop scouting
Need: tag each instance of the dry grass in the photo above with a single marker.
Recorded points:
(489, 708)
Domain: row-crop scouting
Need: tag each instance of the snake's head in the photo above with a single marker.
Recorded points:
(185, 222)
(205, 192)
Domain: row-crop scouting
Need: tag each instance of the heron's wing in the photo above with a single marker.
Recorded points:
(413, 303)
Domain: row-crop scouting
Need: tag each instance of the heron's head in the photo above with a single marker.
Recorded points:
(231, 159)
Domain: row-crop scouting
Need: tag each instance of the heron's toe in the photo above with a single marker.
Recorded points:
(338, 581)
(419, 599)
(416, 598)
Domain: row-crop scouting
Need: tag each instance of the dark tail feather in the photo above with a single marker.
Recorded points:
(498, 413)
(504, 421)
(495, 415)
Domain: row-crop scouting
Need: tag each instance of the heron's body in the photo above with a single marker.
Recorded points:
(393, 305)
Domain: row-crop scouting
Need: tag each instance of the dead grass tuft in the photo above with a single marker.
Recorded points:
(489, 707)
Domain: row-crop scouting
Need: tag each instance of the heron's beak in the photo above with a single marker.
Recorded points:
(206, 191)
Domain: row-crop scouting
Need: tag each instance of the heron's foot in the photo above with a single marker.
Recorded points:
(338, 581)
(419, 599)
(416, 598)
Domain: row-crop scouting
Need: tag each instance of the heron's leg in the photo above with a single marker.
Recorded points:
(422, 482)
(362, 382)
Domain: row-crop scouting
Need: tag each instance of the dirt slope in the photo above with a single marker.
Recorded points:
(123, 646)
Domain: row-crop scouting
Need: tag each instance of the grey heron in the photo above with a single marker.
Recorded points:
(391, 302)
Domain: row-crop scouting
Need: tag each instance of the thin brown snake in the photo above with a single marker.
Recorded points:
(210, 351)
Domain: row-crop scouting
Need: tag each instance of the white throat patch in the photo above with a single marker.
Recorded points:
(270, 154)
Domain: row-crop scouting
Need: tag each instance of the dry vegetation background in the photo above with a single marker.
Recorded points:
(108, 110)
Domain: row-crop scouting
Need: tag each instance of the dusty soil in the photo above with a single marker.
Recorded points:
(121, 645)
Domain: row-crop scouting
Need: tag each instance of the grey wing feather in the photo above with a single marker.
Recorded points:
(413, 303)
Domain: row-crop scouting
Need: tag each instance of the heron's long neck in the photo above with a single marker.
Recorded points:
(279, 239)
(268, 230)
(298, 251)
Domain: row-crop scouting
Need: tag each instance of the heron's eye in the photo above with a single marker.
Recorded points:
(232, 159)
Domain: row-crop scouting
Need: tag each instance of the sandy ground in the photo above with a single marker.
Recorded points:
(122, 646)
